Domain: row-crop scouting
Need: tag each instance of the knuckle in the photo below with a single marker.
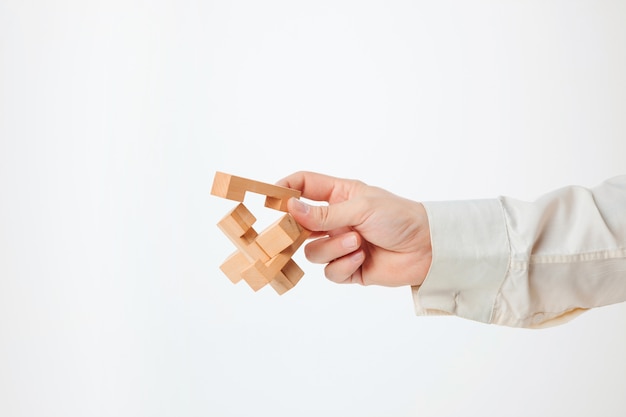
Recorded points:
(322, 216)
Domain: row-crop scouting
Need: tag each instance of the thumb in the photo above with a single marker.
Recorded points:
(325, 218)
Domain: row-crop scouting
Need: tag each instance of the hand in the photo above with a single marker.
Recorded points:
(365, 234)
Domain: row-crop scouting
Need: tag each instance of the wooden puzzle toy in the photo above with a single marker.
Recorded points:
(261, 258)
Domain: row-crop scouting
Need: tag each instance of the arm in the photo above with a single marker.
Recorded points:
(496, 261)
(527, 264)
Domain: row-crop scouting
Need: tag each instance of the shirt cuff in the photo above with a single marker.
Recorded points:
(470, 258)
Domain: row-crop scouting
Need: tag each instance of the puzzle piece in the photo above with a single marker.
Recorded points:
(237, 226)
(242, 234)
(268, 270)
(265, 257)
(235, 188)
(279, 235)
(287, 278)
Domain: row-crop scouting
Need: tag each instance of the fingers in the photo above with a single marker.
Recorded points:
(342, 253)
(314, 186)
(346, 269)
(320, 187)
(347, 208)
(327, 249)
(325, 218)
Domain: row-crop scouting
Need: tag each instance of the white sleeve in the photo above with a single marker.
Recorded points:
(527, 264)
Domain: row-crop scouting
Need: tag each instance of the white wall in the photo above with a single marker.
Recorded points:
(114, 116)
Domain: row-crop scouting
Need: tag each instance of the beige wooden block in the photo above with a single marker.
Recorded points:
(279, 235)
(261, 258)
(276, 203)
(246, 243)
(258, 271)
(256, 282)
(238, 221)
(234, 188)
(233, 265)
(287, 278)
(281, 283)
(271, 268)
(293, 272)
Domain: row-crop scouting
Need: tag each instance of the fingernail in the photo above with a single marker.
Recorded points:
(299, 206)
(357, 257)
(349, 242)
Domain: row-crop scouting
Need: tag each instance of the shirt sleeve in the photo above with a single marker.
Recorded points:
(527, 264)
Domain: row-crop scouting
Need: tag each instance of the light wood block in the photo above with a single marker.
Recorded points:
(236, 263)
(287, 278)
(270, 269)
(256, 282)
(266, 257)
(293, 272)
(232, 187)
(281, 283)
(279, 235)
(233, 265)
(238, 221)
(246, 243)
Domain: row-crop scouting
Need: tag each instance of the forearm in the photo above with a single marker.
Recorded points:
(525, 264)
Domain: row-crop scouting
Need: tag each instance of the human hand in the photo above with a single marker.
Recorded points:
(365, 234)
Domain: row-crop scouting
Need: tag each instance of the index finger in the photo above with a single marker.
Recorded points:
(319, 187)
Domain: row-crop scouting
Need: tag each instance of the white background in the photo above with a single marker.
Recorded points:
(115, 115)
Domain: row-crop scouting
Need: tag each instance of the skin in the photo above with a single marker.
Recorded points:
(365, 235)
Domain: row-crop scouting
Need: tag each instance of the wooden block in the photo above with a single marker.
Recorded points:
(236, 263)
(293, 272)
(271, 268)
(276, 203)
(238, 221)
(261, 258)
(279, 235)
(287, 278)
(234, 188)
(233, 265)
(246, 243)
(281, 283)
(256, 282)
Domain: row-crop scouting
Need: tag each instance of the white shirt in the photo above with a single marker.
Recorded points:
(524, 264)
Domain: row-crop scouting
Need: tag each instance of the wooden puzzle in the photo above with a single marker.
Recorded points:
(261, 258)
